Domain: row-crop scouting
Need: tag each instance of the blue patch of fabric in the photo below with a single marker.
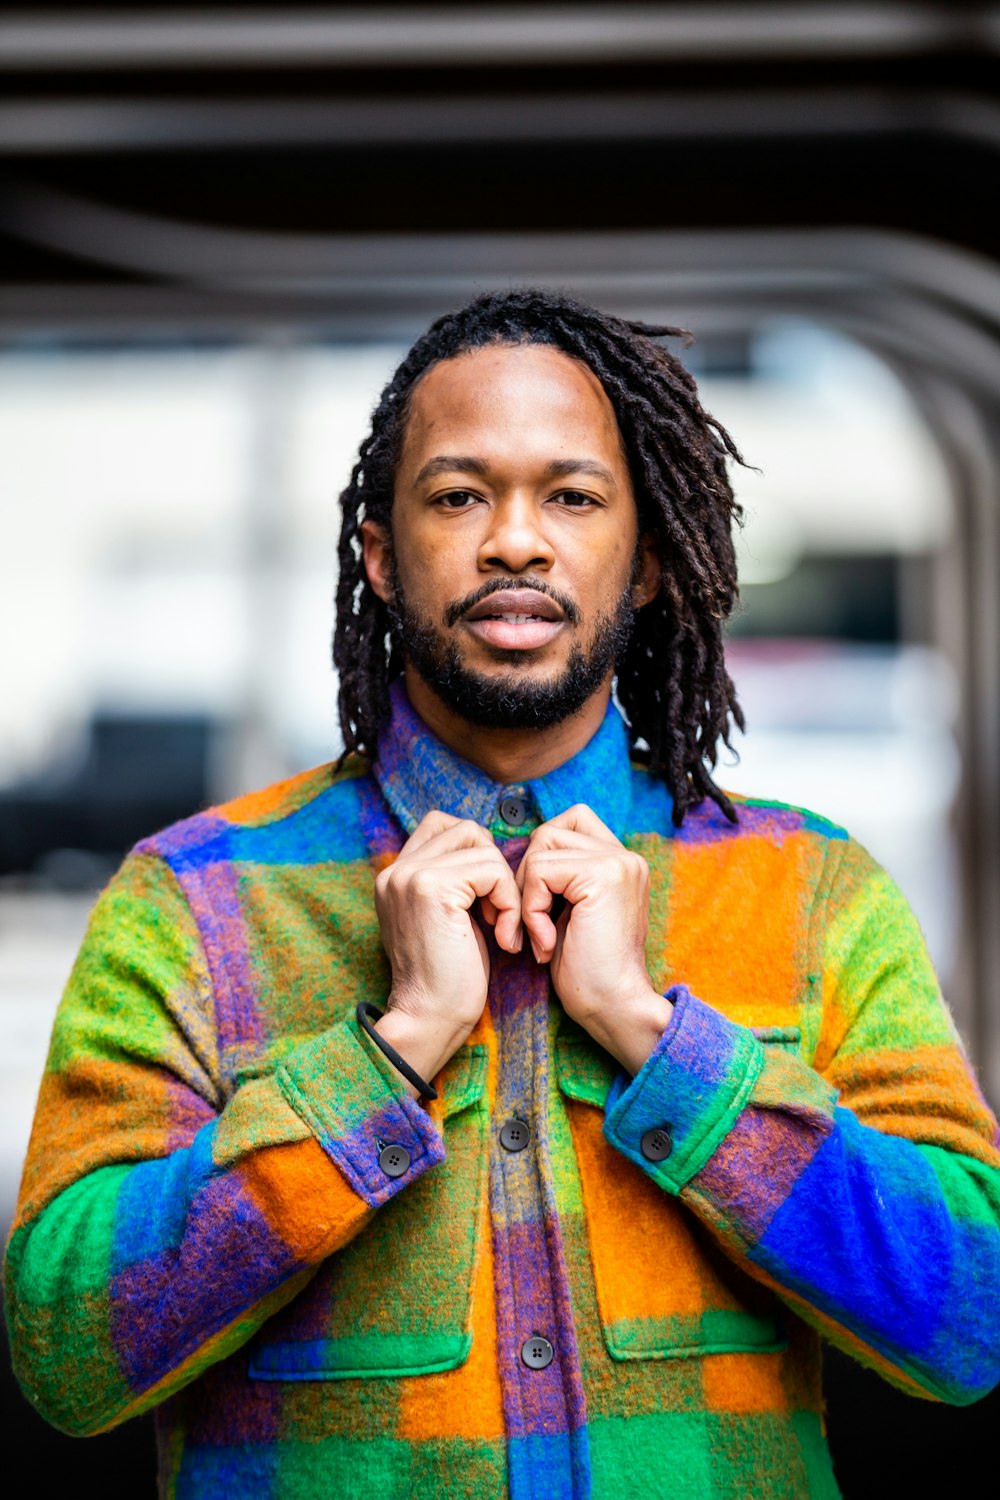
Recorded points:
(553, 1464)
(651, 809)
(153, 1202)
(860, 1237)
(210, 1473)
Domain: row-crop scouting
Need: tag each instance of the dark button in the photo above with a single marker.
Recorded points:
(537, 1352)
(515, 1135)
(656, 1144)
(394, 1160)
(514, 810)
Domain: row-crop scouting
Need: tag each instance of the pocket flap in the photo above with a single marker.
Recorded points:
(463, 1080)
(788, 1037)
(584, 1070)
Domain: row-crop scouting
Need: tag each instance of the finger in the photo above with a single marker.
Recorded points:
(557, 875)
(537, 896)
(429, 827)
(488, 910)
(562, 840)
(511, 930)
(500, 900)
(580, 822)
(440, 837)
(471, 872)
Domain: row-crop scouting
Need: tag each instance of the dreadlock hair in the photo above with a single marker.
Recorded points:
(672, 684)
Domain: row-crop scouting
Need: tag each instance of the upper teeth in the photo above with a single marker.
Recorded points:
(516, 619)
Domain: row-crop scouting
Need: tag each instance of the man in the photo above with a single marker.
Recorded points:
(507, 1110)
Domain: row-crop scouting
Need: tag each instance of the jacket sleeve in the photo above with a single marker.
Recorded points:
(864, 1188)
(162, 1217)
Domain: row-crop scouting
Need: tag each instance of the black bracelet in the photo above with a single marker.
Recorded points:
(425, 1090)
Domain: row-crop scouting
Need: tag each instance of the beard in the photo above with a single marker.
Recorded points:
(510, 699)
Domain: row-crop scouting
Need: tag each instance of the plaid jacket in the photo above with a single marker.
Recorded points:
(204, 1225)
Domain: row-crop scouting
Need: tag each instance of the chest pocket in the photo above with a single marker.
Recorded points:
(398, 1299)
(664, 1289)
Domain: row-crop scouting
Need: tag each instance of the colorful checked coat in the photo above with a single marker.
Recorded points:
(204, 1226)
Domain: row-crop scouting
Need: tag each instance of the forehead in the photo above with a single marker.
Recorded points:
(529, 394)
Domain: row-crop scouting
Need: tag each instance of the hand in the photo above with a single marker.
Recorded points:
(440, 966)
(596, 945)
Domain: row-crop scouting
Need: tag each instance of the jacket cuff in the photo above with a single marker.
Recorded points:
(687, 1094)
(357, 1106)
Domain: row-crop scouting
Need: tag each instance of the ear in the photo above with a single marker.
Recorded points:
(376, 549)
(648, 571)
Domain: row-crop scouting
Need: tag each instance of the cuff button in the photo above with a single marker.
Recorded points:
(656, 1145)
(394, 1160)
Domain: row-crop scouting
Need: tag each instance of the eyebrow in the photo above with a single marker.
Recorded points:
(559, 468)
(446, 463)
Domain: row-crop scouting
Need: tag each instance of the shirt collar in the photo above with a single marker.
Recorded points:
(417, 773)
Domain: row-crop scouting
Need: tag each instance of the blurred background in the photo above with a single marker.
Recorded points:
(220, 228)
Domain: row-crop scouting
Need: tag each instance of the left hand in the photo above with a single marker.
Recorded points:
(596, 946)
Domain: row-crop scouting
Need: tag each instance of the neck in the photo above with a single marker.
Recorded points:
(508, 755)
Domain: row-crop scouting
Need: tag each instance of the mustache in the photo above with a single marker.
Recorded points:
(456, 610)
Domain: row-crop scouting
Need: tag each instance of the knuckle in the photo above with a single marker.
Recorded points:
(422, 883)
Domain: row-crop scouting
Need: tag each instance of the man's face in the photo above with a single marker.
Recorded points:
(514, 563)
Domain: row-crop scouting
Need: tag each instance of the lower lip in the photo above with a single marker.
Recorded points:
(507, 636)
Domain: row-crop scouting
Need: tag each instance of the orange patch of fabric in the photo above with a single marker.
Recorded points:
(464, 1402)
(304, 1197)
(744, 1382)
(255, 805)
(646, 1262)
(735, 929)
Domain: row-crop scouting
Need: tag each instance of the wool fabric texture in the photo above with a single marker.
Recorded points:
(204, 1227)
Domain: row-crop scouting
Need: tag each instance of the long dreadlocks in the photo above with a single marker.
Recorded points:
(672, 683)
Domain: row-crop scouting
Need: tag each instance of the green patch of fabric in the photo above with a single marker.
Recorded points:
(720, 1330)
(334, 1467)
(626, 1451)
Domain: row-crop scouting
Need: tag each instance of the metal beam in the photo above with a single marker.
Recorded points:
(560, 35)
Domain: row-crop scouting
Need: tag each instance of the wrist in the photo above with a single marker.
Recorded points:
(425, 1043)
(630, 1032)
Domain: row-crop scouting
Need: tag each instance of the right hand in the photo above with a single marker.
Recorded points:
(440, 965)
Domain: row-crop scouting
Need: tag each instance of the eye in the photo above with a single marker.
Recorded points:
(575, 499)
(456, 499)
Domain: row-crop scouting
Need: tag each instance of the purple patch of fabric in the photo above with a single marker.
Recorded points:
(233, 1408)
(213, 893)
(708, 824)
(397, 1122)
(182, 840)
(754, 1169)
(379, 828)
(163, 1308)
(703, 1051)
(536, 1399)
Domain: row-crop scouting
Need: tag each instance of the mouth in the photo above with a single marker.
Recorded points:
(515, 619)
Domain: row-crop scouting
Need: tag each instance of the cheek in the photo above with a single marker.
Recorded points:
(606, 572)
(430, 577)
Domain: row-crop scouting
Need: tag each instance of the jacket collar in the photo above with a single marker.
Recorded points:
(417, 773)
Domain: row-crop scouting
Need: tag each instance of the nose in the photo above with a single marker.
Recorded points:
(514, 538)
